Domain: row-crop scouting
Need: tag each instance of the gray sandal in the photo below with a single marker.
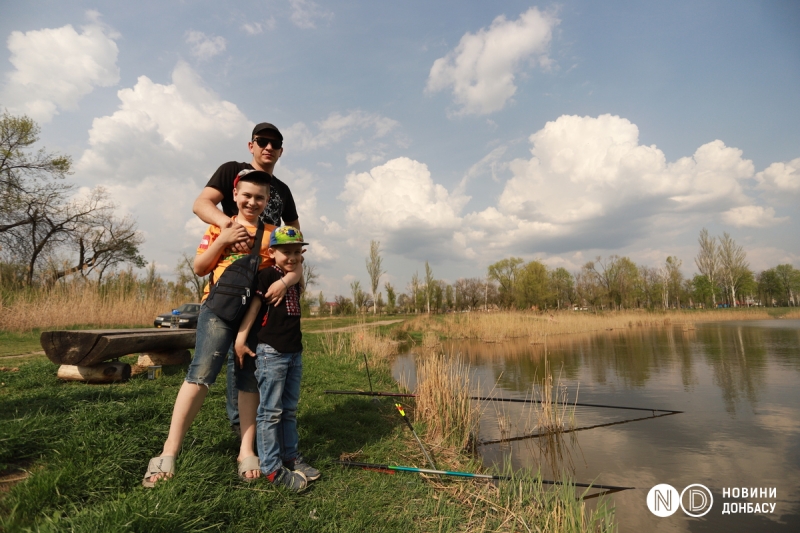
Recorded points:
(159, 465)
(248, 464)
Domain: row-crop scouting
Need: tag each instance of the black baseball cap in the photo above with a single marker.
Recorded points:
(265, 127)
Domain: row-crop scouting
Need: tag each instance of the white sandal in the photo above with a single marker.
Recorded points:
(159, 465)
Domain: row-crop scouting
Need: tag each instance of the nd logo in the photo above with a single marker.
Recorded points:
(695, 500)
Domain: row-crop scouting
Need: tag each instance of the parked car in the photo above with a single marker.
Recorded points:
(187, 319)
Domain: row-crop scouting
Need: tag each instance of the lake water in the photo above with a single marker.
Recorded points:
(737, 383)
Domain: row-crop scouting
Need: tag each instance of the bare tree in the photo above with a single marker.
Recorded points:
(309, 275)
(708, 260)
(40, 219)
(414, 288)
(359, 298)
(733, 264)
(187, 278)
(429, 285)
(374, 270)
(25, 174)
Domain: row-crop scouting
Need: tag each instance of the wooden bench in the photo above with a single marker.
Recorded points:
(83, 355)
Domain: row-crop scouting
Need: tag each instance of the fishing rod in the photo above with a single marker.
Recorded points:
(572, 430)
(367, 367)
(391, 468)
(501, 399)
(408, 423)
(370, 393)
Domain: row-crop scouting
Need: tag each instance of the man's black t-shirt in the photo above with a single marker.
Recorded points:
(280, 205)
(280, 325)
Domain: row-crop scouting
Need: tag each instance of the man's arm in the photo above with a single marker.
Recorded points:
(205, 207)
(295, 224)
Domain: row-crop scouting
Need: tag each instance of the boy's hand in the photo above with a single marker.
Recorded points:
(242, 350)
(276, 292)
(240, 243)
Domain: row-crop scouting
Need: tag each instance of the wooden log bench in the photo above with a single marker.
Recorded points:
(83, 354)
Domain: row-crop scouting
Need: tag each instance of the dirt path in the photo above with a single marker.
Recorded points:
(353, 328)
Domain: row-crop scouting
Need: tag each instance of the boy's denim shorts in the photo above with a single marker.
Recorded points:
(215, 338)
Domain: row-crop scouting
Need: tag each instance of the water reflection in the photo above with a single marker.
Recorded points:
(738, 384)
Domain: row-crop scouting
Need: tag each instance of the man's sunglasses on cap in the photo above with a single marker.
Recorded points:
(262, 142)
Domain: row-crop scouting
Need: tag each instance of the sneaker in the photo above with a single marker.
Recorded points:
(299, 465)
(283, 477)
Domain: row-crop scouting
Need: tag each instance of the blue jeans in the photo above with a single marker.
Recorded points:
(278, 376)
(214, 339)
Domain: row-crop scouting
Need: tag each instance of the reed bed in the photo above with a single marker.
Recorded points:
(502, 326)
(355, 344)
(79, 305)
(443, 404)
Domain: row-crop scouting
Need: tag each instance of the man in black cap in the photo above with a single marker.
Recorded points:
(266, 145)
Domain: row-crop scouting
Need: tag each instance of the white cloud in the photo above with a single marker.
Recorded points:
(255, 28)
(56, 67)
(334, 128)
(203, 46)
(482, 69)
(305, 13)
(355, 157)
(400, 201)
(156, 152)
(589, 185)
(781, 178)
(590, 182)
(752, 216)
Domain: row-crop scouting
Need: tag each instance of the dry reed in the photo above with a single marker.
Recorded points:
(79, 305)
(554, 414)
(443, 404)
(499, 327)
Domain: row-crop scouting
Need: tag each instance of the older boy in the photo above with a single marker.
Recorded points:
(266, 147)
(278, 366)
(215, 335)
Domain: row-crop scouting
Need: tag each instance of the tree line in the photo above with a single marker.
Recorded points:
(614, 282)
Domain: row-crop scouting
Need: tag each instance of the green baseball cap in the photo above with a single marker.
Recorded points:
(285, 235)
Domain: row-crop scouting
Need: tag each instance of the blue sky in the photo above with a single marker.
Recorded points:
(455, 132)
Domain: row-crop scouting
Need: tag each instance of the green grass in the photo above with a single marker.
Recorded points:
(86, 448)
(19, 343)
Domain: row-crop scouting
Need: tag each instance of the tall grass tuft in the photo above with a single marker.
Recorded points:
(554, 414)
(443, 404)
(524, 504)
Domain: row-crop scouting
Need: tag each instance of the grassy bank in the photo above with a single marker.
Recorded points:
(72, 457)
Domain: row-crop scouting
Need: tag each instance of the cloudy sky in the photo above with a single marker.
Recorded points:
(452, 131)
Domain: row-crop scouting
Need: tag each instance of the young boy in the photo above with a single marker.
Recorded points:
(214, 335)
(278, 365)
